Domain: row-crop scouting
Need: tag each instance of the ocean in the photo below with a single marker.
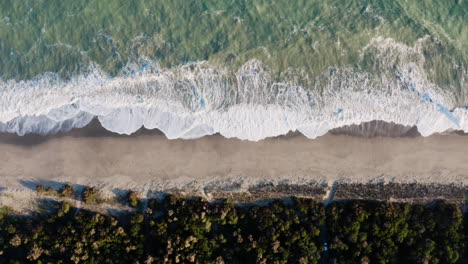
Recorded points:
(245, 69)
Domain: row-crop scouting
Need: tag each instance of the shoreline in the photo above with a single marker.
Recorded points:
(147, 161)
(371, 129)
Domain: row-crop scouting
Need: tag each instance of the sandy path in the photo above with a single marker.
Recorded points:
(152, 160)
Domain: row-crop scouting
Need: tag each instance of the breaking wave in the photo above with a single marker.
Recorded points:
(252, 103)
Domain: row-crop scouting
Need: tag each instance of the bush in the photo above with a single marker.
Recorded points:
(90, 195)
(133, 198)
(46, 190)
(67, 191)
(40, 188)
(64, 209)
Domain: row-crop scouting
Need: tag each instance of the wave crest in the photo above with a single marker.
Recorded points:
(250, 103)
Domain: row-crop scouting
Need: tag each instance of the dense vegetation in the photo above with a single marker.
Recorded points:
(176, 230)
(373, 232)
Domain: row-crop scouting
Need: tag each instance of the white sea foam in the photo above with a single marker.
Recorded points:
(198, 99)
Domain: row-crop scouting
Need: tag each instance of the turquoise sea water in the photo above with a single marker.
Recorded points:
(318, 46)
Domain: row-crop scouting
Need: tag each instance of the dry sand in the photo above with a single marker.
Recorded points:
(148, 161)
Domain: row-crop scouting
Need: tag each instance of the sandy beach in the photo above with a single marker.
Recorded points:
(148, 161)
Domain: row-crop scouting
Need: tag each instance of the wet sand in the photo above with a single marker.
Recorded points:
(148, 160)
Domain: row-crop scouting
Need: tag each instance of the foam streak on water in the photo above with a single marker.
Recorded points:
(199, 99)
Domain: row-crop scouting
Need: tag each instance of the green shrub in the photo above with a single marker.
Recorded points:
(133, 198)
(90, 195)
(46, 190)
(67, 191)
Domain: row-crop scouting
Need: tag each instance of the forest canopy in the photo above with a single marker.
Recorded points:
(182, 230)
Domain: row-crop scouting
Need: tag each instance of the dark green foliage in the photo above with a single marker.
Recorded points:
(67, 191)
(465, 221)
(90, 195)
(281, 233)
(385, 232)
(195, 230)
(8, 230)
(177, 230)
(46, 190)
(133, 198)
